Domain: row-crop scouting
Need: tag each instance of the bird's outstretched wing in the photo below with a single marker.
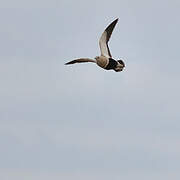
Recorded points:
(81, 60)
(103, 42)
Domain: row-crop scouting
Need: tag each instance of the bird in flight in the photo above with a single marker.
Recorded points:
(105, 60)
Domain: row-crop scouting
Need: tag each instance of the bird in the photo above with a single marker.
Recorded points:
(105, 60)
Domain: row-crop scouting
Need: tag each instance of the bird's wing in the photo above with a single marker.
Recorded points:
(81, 60)
(103, 42)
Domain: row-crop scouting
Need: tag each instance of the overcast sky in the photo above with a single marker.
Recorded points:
(81, 122)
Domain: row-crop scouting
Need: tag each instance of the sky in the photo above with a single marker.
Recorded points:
(82, 122)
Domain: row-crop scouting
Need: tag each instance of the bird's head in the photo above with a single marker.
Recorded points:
(120, 66)
(121, 62)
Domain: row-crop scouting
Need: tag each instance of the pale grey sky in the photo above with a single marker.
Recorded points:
(81, 122)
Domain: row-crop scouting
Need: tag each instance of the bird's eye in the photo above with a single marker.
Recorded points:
(121, 62)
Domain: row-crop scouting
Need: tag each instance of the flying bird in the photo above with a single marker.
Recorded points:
(105, 60)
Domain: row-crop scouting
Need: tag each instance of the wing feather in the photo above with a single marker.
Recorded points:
(103, 42)
(81, 60)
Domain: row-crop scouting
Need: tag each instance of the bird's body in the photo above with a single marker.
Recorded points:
(104, 61)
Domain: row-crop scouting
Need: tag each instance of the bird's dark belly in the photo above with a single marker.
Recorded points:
(112, 64)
